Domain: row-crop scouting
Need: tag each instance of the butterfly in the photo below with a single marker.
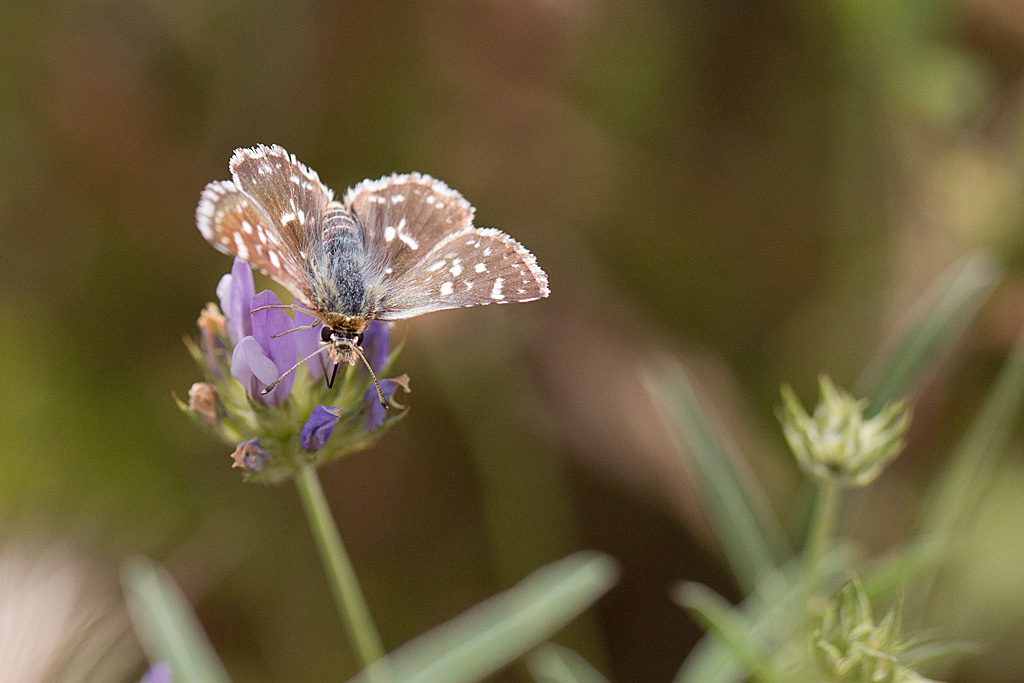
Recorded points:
(392, 249)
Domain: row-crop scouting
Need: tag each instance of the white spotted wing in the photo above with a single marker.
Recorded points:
(396, 248)
(420, 232)
(269, 214)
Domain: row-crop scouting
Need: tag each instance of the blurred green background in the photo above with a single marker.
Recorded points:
(761, 188)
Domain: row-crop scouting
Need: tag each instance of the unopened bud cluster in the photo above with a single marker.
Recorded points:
(838, 442)
(850, 647)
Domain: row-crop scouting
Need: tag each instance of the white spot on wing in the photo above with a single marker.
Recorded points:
(247, 227)
(409, 240)
(446, 289)
(496, 290)
(479, 267)
(243, 251)
(275, 259)
(456, 270)
(389, 233)
(436, 267)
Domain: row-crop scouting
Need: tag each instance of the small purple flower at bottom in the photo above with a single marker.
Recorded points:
(318, 428)
(158, 673)
(250, 457)
(235, 291)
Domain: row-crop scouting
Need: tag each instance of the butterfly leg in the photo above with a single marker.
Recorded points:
(295, 329)
(291, 306)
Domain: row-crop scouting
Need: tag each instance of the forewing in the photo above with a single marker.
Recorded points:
(235, 225)
(405, 216)
(290, 194)
(469, 268)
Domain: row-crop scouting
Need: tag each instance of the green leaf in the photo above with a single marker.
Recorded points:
(166, 625)
(731, 628)
(750, 535)
(947, 307)
(552, 663)
(495, 632)
(957, 491)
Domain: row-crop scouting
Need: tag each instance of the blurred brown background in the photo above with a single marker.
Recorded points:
(760, 187)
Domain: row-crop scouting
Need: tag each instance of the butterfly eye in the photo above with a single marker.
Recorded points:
(359, 339)
(325, 333)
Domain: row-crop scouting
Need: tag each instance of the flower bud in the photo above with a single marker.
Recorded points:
(213, 338)
(850, 647)
(318, 428)
(838, 442)
(250, 457)
(202, 399)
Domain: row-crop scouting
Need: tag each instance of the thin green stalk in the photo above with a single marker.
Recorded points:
(344, 585)
(819, 540)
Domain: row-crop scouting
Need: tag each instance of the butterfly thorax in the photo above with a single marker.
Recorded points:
(342, 324)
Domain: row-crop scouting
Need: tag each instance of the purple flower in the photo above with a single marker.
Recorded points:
(318, 428)
(308, 341)
(158, 673)
(235, 291)
(261, 358)
(376, 346)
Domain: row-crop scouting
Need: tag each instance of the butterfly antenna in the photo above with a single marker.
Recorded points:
(334, 373)
(272, 385)
(380, 394)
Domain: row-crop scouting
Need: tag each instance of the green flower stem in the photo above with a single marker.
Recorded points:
(819, 539)
(344, 585)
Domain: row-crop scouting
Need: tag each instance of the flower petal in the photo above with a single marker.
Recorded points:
(251, 366)
(267, 324)
(318, 428)
(158, 673)
(308, 341)
(235, 290)
(376, 346)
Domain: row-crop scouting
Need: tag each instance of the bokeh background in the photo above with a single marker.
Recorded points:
(760, 188)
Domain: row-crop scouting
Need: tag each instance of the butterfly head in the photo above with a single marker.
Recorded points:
(344, 341)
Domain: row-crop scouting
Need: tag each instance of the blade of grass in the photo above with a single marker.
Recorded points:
(731, 628)
(751, 537)
(552, 663)
(493, 633)
(946, 309)
(166, 625)
(974, 461)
